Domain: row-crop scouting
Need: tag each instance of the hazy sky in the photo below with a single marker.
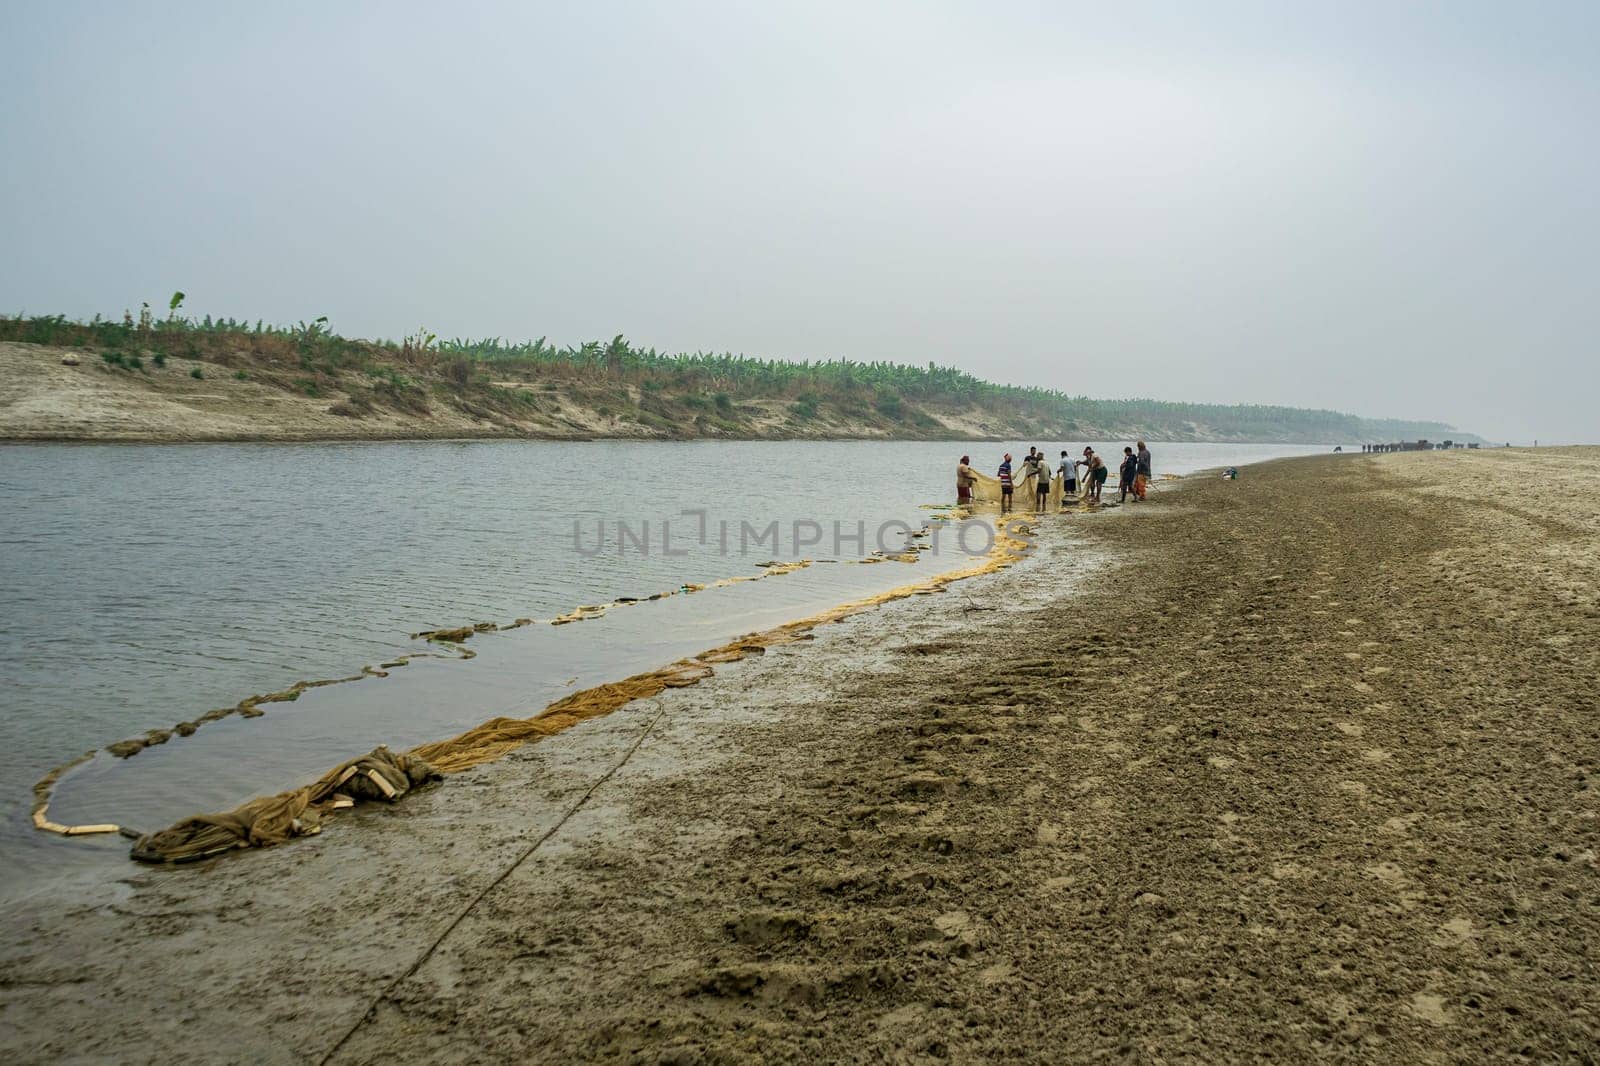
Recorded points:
(1388, 208)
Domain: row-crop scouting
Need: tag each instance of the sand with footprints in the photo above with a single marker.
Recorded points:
(1299, 764)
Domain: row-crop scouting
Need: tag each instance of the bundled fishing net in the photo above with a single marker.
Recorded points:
(380, 775)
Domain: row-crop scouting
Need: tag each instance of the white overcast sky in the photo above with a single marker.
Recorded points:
(1388, 208)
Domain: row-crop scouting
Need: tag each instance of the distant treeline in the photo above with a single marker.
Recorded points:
(946, 385)
(885, 393)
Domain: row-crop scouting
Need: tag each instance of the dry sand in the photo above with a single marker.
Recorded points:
(1299, 765)
(43, 398)
(263, 398)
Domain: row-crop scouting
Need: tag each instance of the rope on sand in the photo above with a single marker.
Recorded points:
(1011, 537)
(527, 853)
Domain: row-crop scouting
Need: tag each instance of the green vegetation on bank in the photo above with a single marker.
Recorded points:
(523, 386)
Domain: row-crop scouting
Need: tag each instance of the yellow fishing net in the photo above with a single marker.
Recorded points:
(387, 776)
(1024, 496)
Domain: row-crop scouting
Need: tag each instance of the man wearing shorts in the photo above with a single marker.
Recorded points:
(1096, 475)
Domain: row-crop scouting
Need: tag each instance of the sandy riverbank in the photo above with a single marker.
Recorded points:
(169, 388)
(61, 394)
(43, 399)
(1300, 763)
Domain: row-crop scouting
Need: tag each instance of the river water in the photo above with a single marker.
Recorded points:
(143, 585)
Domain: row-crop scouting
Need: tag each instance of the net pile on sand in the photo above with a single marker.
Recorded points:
(387, 776)
(378, 775)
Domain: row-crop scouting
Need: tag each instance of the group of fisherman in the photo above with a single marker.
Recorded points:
(1090, 472)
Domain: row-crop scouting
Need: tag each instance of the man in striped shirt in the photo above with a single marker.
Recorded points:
(1005, 484)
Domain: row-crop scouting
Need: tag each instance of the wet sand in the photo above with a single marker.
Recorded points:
(1300, 764)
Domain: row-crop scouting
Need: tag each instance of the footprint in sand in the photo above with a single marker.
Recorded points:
(1430, 1008)
(1456, 932)
(999, 973)
(1391, 874)
(1374, 755)
(1401, 823)
(1394, 877)
(1349, 729)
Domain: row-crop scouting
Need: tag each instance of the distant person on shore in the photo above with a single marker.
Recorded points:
(1147, 471)
(1004, 474)
(1069, 478)
(1127, 473)
(1041, 489)
(966, 477)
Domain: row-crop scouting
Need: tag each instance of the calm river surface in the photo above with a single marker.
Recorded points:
(143, 585)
